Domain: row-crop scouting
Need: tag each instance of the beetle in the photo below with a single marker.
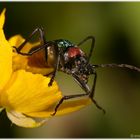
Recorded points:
(65, 56)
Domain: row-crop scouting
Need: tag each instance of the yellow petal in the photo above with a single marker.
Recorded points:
(71, 106)
(17, 40)
(2, 19)
(24, 121)
(5, 56)
(35, 63)
(27, 92)
(65, 108)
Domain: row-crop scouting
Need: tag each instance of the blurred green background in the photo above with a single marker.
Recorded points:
(116, 27)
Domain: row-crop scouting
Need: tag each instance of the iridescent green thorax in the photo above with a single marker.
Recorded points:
(62, 43)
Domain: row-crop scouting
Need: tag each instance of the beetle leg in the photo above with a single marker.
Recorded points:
(91, 95)
(88, 91)
(92, 45)
(42, 40)
(33, 50)
(66, 98)
(55, 70)
(85, 88)
(93, 86)
(59, 60)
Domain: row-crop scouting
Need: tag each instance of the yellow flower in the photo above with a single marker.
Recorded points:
(24, 91)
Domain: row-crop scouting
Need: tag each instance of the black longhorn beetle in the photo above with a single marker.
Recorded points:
(62, 55)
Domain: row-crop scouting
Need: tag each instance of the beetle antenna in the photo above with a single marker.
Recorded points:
(118, 66)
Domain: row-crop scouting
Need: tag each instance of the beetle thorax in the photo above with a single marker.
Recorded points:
(73, 53)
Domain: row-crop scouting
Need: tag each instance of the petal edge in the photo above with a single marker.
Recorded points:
(65, 108)
(2, 18)
(23, 121)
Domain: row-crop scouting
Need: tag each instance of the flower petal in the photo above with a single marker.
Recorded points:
(5, 55)
(65, 108)
(24, 121)
(27, 92)
(2, 19)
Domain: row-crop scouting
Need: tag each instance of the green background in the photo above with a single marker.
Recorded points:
(116, 27)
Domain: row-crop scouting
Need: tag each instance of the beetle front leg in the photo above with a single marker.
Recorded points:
(93, 86)
(92, 45)
(91, 95)
(87, 93)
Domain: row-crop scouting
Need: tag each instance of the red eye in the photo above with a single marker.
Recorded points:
(74, 51)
